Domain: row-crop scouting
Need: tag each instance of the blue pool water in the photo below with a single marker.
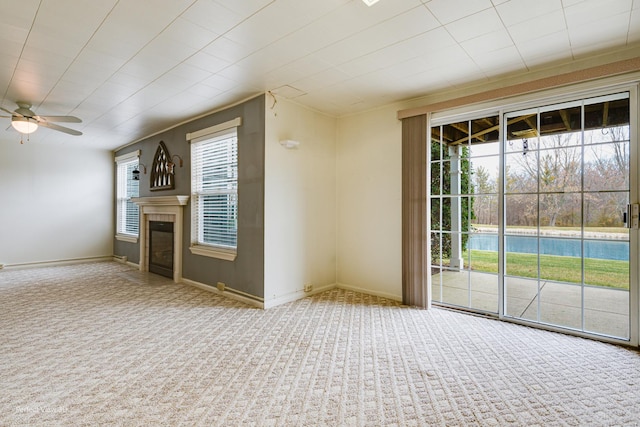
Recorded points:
(600, 249)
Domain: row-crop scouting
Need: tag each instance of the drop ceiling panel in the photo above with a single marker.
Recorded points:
(614, 27)
(500, 61)
(403, 26)
(459, 72)
(426, 44)
(634, 25)
(264, 28)
(593, 12)
(475, 25)
(515, 12)
(554, 46)
(184, 33)
(228, 50)
(207, 62)
(245, 7)
(489, 42)
(212, 16)
(319, 81)
(19, 15)
(391, 32)
(544, 25)
(127, 68)
(451, 10)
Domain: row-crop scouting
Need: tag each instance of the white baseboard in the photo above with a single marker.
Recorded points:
(125, 260)
(56, 262)
(293, 296)
(229, 293)
(370, 292)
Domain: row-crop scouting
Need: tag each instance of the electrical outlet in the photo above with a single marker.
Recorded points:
(220, 286)
(308, 287)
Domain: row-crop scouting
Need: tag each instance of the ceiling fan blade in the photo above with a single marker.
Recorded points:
(60, 128)
(7, 111)
(67, 119)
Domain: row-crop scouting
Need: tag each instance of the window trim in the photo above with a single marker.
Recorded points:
(213, 251)
(125, 158)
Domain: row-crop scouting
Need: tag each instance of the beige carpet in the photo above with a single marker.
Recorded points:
(103, 344)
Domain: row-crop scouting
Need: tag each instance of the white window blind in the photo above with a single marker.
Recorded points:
(214, 190)
(127, 187)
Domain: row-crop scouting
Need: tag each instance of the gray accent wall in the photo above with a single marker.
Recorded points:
(246, 273)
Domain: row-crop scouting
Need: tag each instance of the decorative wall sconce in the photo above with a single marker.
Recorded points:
(171, 165)
(136, 172)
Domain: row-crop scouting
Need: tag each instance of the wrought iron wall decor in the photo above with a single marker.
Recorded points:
(162, 177)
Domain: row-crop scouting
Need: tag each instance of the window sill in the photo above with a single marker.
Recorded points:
(211, 252)
(127, 238)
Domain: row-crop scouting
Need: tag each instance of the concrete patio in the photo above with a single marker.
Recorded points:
(606, 310)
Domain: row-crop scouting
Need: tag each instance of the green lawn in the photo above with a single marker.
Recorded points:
(598, 272)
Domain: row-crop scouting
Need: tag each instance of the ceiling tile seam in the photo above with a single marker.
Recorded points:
(433, 14)
(338, 41)
(462, 47)
(174, 67)
(311, 53)
(129, 60)
(566, 26)
(177, 65)
(73, 61)
(379, 69)
(630, 20)
(26, 40)
(280, 38)
(511, 38)
(337, 66)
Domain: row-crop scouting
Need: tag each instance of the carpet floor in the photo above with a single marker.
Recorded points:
(101, 343)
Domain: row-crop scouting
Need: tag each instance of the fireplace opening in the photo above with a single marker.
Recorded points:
(161, 248)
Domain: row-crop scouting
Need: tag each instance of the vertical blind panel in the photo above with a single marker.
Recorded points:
(215, 190)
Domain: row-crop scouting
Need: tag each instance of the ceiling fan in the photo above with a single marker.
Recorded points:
(26, 121)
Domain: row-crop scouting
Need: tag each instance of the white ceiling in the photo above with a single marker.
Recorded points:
(130, 68)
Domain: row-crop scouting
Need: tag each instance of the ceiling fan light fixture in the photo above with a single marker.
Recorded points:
(24, 125)
(370, 2)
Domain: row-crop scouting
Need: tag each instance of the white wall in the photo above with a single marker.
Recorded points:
(369, 173)
(57, 203)
(300, 202)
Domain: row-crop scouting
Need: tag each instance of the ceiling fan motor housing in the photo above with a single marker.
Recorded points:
(25, 109)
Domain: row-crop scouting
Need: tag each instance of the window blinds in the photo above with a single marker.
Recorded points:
(215, 189)
(127, 211)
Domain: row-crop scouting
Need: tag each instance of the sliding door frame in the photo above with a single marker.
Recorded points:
(554, 96)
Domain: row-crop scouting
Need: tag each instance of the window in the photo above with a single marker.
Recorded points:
(127, 212)
(214, 191)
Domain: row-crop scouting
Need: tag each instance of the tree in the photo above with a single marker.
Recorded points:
(443, 210)
(555, 172)
(484, 208)
(606, 174)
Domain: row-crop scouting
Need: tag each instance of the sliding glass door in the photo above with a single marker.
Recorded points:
(530, 214)
(465, 165)
(566, 195)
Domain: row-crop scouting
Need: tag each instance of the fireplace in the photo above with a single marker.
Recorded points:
(161, 220)
(161, 248)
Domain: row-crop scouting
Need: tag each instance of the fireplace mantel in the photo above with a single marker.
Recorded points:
(161, 201)
(169, 208)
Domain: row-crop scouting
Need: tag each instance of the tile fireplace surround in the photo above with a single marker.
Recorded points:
(166, 209)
